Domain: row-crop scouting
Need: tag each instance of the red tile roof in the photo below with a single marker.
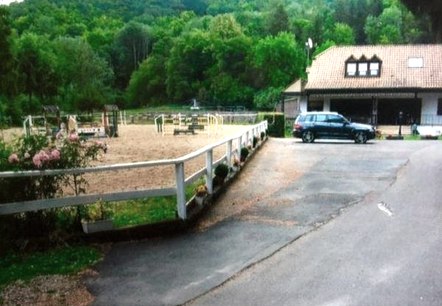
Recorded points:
(327, 72)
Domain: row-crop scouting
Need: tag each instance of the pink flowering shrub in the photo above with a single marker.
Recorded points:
(40, 153)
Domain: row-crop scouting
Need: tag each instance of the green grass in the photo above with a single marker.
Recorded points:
(159, 108)
(70, 260)
(412, 137)
(148, 211)
(145, 211)
(66, 260)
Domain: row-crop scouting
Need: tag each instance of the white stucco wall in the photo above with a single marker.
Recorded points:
(303, 104)
(326, 104)
(429, 109)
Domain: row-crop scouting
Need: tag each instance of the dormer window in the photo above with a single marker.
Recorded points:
(363, 67)
(351, 69)
(374, 68)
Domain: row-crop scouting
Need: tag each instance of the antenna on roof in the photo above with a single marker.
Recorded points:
(308, 46)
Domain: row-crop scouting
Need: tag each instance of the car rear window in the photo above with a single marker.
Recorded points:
(301, 118)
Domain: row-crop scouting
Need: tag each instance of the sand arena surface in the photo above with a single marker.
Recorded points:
(138, 143)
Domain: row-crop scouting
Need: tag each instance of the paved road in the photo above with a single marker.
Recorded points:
(301, 226)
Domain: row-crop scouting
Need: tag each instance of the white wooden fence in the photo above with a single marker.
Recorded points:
(180, 180)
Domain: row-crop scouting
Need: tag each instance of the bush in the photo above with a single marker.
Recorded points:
(276, 123)
(222, 170)
(40, 153)
(255, 141)
(262, 135)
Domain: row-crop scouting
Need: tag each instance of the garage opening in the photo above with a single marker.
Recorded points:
(355, 110)
(388, 111)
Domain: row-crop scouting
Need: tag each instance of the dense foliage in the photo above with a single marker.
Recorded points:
(80, 55)
(40, 153)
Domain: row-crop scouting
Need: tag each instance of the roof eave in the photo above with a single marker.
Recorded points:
(370, 90)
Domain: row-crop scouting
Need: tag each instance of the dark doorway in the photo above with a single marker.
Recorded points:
(388, 111)
(354, 110)
(315, 105)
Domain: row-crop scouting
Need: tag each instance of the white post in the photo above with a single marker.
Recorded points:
(180, 192)
(247, 138)
(229, 153)
(209, 167)
(163, 125)
(239, 145)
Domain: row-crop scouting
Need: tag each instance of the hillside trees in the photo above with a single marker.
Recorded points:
(84, 77)
(188, 64)
(278, 20)
(434, 10)
(36, 69)
(81, 54)
(395, 25)
(279, 61)
(6, 58)
(130, 48)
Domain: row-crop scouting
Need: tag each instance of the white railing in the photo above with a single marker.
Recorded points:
(181, 181)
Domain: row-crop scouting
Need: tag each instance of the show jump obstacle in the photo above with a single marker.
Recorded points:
(51, 124)
(177, 124)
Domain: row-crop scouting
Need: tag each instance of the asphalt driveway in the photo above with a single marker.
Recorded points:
(287, 190)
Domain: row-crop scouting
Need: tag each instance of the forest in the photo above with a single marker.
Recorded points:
(80, 55)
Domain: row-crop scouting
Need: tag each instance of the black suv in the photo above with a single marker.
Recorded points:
(312, 125)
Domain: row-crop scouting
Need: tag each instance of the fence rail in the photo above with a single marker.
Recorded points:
(232, 145)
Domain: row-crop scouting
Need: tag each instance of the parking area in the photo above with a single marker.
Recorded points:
(287, 190)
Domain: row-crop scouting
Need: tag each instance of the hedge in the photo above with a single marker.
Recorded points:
(276, 123)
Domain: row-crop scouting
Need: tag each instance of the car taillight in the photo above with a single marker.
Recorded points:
(297, 126)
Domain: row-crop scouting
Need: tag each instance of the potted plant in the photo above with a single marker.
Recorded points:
(244, 153)
(97, 218)
(263, 135)
(255, 141)
(200, 194)
(221, 172)
(236, 163)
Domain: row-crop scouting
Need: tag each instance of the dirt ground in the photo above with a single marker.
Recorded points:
(135, 143)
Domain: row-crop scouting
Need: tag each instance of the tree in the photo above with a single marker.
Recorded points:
(225, 27)
(341, 34)
(84, 77)
(188, 64)
(36, 68)
(6, 58)
(279, 59)
(278, 20)
(131, 47)
(433, 9)
(394, 26)
(354, 13)
(148, 83)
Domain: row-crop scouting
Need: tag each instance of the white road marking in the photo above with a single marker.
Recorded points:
(383, 207)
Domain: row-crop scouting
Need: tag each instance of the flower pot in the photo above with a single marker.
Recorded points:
(199, 200)
(97, 226)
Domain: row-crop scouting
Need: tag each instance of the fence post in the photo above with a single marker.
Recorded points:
(209, 166)
(247, 138)
(180, 191)
(239, 145)
(229, 153)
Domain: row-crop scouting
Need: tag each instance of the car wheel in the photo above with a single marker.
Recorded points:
(308, 136)
(360, 137)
